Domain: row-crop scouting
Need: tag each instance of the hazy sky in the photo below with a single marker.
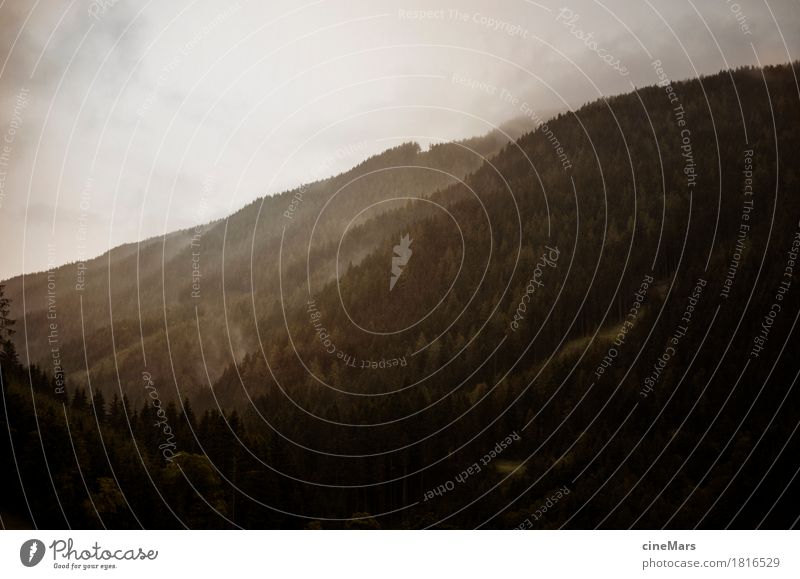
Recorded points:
(123, 120)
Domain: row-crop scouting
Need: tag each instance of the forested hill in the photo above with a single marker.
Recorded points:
(658, 185)
(571, 303)
(158, 291)
(626, 272)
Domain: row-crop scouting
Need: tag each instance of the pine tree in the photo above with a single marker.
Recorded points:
(98, 406)
(8, 352)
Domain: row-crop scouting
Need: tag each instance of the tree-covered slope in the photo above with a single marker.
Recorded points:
(594, 328)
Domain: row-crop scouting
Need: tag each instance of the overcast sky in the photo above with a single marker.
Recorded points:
(123, 120)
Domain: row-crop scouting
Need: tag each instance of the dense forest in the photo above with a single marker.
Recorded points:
(181, 275)
(603, 342)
